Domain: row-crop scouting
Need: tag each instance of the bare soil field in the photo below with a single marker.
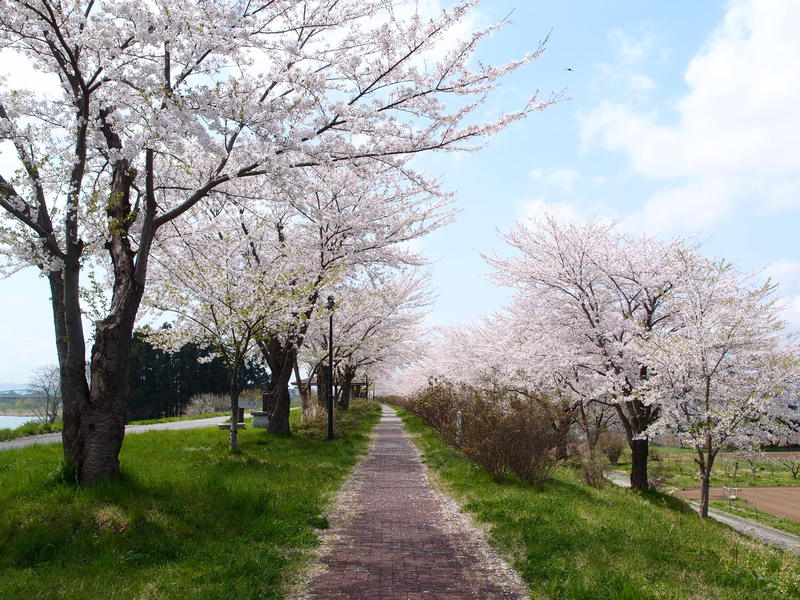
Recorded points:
(780, 501)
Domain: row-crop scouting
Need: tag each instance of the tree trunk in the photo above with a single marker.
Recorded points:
(280, 358)
(234, 393)
(301, 389)
(704, 489)
(635, 418)
(346, 390)
(322, 386)
(639, 453)
(705, 460)
(279, 402)
(95, 413)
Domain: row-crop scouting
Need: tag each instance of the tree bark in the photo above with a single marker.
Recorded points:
(234, 394)
(639, 453)
(280, 358)
(346, 390)
(301, 389)
(322, 386)
(103, 422)
(95, 412)
(635, 418)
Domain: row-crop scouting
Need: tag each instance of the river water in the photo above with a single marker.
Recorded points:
(12, 422)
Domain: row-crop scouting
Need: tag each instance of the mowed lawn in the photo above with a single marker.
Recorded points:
(189, 520)
(572, 541)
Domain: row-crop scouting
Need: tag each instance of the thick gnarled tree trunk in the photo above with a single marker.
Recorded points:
(95, 411)
(280, 358)
(636, 417)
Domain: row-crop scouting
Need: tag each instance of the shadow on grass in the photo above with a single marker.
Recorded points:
(188, 519)
(665, 500)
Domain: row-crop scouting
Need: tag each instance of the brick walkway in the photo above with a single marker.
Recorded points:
(394, 537)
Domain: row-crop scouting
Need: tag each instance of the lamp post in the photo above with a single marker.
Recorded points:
(329, 306)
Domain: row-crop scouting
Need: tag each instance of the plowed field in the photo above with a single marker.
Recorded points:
(780, 501)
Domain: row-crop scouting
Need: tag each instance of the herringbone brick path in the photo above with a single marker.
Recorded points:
(400, 539)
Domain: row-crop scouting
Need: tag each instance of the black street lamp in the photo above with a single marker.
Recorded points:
(329, 306)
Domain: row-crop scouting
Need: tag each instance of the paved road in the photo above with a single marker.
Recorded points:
(765, 533)
(394, 537)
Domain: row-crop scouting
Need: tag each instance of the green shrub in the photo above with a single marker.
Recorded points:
(506, 434)
(612, 444)
(315, 424)
(32, 428)
(592, 470)
(437, 405)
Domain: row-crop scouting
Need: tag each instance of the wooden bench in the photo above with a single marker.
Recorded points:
(731, 492)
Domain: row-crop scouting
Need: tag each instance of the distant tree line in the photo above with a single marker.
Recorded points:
(162, 383)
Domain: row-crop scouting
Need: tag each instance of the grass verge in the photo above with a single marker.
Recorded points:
(173, 419)
(188, 520)
(741, 508)
(32, 428)
(676, 468)
(573, 542)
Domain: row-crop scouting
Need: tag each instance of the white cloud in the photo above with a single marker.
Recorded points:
(538, 207)
(693, 206)
(734, 131)
(561, 178)
(792, 312)
(633, 50)
(786, 273)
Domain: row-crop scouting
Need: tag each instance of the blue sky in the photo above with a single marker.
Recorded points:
(681, 118)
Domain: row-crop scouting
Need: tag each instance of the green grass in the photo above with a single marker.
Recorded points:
(37, 428)
(570, 541)
(677, 469)
(188, 520)
(741, 508)
(32, 428)
(172, 419)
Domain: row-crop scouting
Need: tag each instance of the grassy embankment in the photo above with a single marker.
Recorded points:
(742, 508)
(189, 519)
(570, 541)
(675, 468)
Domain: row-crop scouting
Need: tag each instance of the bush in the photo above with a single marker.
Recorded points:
(592, 470)
(611, 443)
(32, 428)
(437, 406)
(506, 435)
(202, 404)
(314, 423)
(403, 402)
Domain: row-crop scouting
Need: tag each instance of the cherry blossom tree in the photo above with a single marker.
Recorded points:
(378, 327)
(340, 224)
(720, 376)
(159, 105)
(598, 295)
(211, 280)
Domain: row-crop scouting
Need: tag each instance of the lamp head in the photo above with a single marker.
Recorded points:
(330, 303)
